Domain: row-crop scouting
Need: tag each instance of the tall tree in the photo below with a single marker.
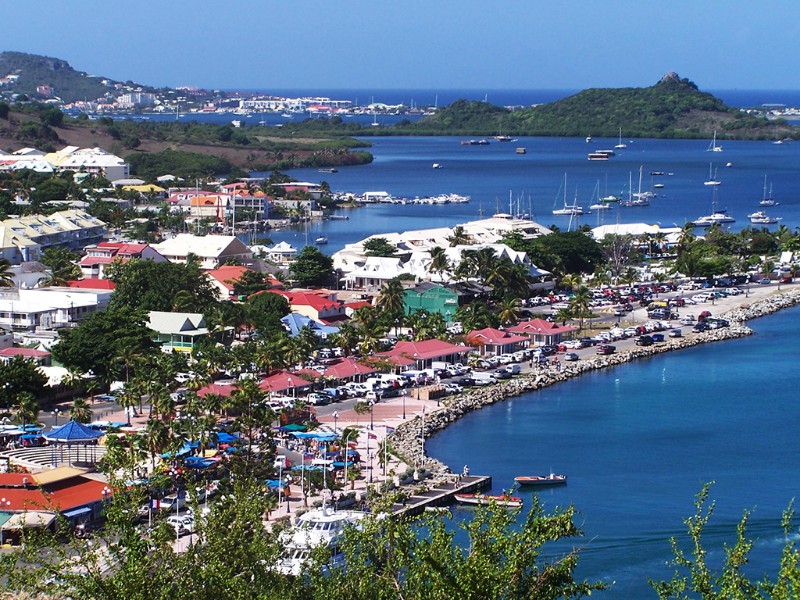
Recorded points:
(312, 268)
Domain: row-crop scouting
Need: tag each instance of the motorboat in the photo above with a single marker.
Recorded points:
(761, 218)
(551, 479)
(318, 528)
(599, 206)
(437, 165)
(504, 500)
(328, 170)
(321, 240)
(522, 151)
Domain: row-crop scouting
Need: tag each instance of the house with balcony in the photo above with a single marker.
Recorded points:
(98, 257)
(211, 250)
(24, 239)
(177, 331)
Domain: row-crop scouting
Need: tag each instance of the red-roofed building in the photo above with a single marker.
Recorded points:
(283, 381)
(222, 278)
(215, 388)
(97, 258)
(424, 352)
(40, 357)
(92, 283)
(319, 306)
(490, 341)
(542, 332)
(348, 368)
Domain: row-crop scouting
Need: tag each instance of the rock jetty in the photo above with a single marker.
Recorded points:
(406, 438)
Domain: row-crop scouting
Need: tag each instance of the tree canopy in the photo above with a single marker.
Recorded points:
(311, 268)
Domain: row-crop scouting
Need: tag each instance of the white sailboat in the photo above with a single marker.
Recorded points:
(717, 217)
(620, 144)
(767, 199)
(712, 176)
(572, 210)
(713, 145)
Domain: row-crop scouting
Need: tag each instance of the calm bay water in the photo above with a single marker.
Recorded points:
(639, 441)
(492, 174)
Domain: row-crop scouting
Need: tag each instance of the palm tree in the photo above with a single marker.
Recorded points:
(459, 237)
(581, 304)
(392, 298)
(347, 338)
(6, 276)
(439, 261)
(27, 408)
(571, 281)
(80, 411)
(156, 438)
(508, 310)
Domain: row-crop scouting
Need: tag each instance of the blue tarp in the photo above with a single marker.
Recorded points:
(182, 451)
(307, 468)
(340, 465)
(197, 462)
(322, 437)
(226, 438)
(73, 432)
(274, 483)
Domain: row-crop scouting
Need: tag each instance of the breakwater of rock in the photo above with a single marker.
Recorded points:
(406, 438)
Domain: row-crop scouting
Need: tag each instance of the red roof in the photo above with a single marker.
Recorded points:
(540, 327)
(23, 352)
(358, 304)
(424, 350)
(493, 337)
(282, 380)
(92, 283)
(228, 273)
(347, 367)
(315, 301)
(215, 388)
(14, 480)
(68, 494)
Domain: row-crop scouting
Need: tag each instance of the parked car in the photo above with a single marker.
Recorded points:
(657, 338)
(644, 340)
(571, 356)
(318, 399)
(502, 373)
(675, 333)
(606, 349)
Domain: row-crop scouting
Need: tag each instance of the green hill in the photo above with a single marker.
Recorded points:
(33, 71)
(673, 107)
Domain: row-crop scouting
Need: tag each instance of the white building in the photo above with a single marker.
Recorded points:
(211, 250)
(50, 307)
(25, 238)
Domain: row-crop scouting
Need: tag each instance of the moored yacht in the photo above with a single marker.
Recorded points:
(761, 218)
(323, 527)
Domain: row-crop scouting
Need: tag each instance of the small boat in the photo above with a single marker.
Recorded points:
(598, 156)
(600, 206)
(521, 151)
(504, 138)
(437, 165)
(328, 170)
(321, 240)
(761, 218)
(712, 180)
(712, 147)
(551, 479)
(658, 185)
(620, 144)
(588, 139)
(504, 500)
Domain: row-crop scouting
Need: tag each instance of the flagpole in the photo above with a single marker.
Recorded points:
(385, 451)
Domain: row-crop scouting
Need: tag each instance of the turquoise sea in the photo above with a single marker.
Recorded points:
(639, 441)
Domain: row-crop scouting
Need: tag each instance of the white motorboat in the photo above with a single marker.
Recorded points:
(323, 527)
(761, 218)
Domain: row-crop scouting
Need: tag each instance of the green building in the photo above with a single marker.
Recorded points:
(434, 298)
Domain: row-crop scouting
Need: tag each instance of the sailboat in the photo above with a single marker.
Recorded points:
(717, 217)
(767, 199)
(713, 145)
(568, 210)
(620, 145)
(712, 176)
(598, 204)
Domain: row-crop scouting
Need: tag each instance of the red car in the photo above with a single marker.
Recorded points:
(606, 349)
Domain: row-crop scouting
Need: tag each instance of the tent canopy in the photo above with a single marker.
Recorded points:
(73, 432)
(322, 437)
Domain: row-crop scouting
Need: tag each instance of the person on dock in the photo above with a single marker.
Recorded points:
(465, 472)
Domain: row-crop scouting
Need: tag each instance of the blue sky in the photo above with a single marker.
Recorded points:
(427, 44)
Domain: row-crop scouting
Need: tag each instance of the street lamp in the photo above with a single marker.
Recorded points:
(6, 386)
(55, 414)
(371, 422)
(404, 405)
(335, 421)
(106, 491)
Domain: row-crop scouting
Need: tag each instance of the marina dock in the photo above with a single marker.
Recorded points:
(441, 495)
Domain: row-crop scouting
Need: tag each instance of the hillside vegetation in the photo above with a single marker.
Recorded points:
(67, 83)
(673, 107)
